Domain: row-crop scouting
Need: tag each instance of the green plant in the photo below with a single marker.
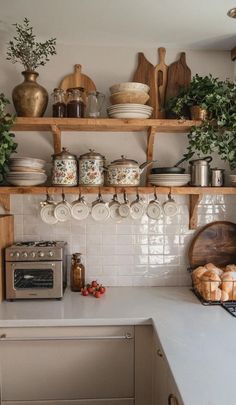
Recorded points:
(217, 133)
(26, 50)
(7, 143)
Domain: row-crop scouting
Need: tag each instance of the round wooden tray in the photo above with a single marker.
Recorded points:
(214, 243)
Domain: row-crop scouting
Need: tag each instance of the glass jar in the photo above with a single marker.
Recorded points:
(64, 170)
(75, 103)
(77, 274)
(59, 103)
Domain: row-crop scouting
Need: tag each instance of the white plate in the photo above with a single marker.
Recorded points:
(28, 162)
(169, 183)
(100, 211)
(130, 106)
(62, 212)
(130, 115)
(47, 214)
(18, 182)
(173, 176)
(79, 210)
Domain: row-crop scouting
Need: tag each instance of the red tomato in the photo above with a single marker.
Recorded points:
(102, 289)
(94, 283)
(84, 292)
(90, 290)
(97, 294)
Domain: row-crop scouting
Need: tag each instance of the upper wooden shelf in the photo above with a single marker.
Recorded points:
(102, 124)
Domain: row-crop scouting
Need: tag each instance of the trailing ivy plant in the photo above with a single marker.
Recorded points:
(26, 50)
(7, 143)
(217, 133)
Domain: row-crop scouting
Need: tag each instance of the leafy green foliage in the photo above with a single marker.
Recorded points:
(26, 50)
(7, 143)
(218, 132)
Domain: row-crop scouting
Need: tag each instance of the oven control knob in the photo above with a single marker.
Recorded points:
(50, 253)
(25, 254)
(32, 254)
(17, 254)
(41, 254)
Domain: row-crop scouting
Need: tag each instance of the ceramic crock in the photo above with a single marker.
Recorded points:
(64, 170)
(125, 172)
(91, 169)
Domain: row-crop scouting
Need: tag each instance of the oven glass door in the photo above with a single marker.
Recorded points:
(31, 278)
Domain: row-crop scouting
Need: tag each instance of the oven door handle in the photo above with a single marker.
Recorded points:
(4, 338)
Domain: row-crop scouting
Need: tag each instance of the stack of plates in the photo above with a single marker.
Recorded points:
(129, 110)
(169, 180)
(26, 171)
(232, 178)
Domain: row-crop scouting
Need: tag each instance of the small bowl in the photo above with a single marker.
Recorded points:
(135, 97)
(129, 86)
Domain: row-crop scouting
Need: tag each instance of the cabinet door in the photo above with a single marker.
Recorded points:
(67, 363)
(160, 386)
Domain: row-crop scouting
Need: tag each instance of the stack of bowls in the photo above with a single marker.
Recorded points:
(169, 180)
(128, 101)
(26, 171)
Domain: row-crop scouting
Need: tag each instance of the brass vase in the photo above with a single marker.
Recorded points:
(29, 98)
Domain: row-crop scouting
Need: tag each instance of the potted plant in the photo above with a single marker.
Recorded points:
(29, 98)
(217, 133)
(194, 98)
(7, 143)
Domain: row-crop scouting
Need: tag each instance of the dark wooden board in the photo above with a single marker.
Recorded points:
(214, 243)
(179, 76)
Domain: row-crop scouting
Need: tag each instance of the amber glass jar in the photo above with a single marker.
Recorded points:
(75, 103)
(77, 274)
(59, 104)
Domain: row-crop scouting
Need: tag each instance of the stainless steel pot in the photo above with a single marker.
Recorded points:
(64, 170)
(125, 172)
(91, 169)
(200, 171)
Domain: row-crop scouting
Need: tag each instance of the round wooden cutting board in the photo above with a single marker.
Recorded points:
(214, 243)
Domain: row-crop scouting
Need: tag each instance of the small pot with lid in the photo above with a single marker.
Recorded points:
(125, 172)
(200, 171)
(64, 170)
(91, 169)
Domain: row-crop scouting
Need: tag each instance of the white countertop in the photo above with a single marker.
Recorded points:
(199, 342)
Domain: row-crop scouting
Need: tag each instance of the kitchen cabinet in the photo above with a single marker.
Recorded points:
(79, 365)
(164, 387)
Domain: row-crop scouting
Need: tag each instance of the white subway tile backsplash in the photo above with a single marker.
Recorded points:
(126, 252)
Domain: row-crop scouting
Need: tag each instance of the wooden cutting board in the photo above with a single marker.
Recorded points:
(179, 76)
(214, 243)
(156, 78)
(77, 79)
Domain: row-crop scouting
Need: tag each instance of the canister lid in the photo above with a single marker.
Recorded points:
(92, 155)
(125, 162)
(64, 154)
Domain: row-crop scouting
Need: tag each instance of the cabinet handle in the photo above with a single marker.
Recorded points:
(159, 353)
(172, 400)
(4, 338)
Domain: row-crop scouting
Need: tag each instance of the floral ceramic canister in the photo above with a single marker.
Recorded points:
(91, 169)
(65, 168)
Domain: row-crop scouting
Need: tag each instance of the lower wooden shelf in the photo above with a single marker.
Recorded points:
(195, 194)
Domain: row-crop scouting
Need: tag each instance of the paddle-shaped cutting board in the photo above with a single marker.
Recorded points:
(179, 76)
(214, 243)
(156, 78)
(77, 79)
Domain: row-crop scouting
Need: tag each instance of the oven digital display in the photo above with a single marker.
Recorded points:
(33, 279)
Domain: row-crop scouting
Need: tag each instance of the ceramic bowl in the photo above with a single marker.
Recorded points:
(129, 86)
(123, 97)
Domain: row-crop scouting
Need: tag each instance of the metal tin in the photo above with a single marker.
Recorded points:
(217, 177)
(64, 171)
(200, 172)
(91, 169)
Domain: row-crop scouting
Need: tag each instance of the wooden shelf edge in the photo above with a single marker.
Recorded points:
(110, 190)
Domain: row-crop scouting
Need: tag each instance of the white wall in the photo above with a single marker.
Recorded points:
(119, 254)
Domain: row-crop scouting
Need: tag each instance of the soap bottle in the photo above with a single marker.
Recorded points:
(77, 275)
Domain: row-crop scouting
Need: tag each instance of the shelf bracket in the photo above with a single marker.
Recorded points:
(150, 146)
(56, 132)
(193, 207)
(5, 202)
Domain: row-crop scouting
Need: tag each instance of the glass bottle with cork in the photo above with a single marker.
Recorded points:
(77, 275)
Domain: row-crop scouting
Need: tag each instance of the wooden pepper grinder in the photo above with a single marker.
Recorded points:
(77, 275)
